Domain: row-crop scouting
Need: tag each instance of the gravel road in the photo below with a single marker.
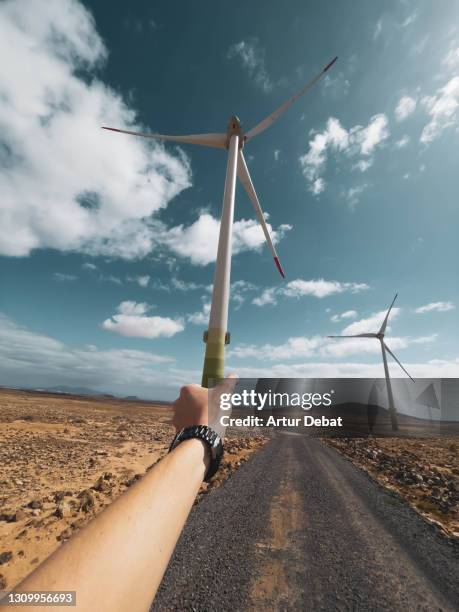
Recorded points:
(300, 528)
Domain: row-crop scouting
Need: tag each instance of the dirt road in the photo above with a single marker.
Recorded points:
(300, 528)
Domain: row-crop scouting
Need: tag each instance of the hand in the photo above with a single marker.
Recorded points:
(199, 406)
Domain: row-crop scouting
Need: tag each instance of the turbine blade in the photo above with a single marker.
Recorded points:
(356, 336)
(206, 140)
(244, 176)
(391, 353)
(386, 318)
(269, 120)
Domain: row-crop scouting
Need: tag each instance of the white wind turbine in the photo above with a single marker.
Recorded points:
(233, 140)
(380, 336)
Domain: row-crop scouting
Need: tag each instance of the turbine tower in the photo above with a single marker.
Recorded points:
(233, 140)
(380, 336)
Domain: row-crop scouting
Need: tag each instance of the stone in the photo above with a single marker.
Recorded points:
(5, 557)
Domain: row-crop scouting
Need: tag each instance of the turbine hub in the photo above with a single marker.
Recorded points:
(234, 128)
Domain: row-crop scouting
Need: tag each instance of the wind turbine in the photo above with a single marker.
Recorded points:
(380, 336)
(233, 140)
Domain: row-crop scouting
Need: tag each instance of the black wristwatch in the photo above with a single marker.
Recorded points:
(207, 435)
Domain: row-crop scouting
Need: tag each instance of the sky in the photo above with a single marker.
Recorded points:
(108, 242)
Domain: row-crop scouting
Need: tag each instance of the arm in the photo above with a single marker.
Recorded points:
(118, 560)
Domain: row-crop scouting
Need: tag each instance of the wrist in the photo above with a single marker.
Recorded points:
(207, 437)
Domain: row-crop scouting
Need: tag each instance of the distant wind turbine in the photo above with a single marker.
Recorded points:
(380, 336)
(233, 140)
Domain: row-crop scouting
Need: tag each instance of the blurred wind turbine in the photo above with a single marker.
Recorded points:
(380, 336)
(233, 140)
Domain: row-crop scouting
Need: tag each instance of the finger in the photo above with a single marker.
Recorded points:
(228, 384)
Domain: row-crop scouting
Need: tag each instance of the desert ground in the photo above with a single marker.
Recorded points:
(423, 471)
(64, 458)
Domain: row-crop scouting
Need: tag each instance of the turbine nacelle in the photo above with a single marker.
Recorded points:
(235, 129)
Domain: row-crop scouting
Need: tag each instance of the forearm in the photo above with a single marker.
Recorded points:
(118, 560)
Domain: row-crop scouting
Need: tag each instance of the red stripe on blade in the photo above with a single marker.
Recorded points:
(279, 267)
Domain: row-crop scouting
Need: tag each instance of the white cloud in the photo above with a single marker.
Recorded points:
(142, 280)
(435, 307)
(348, 314)
(363, 165)
(132, 321)
(370, 324)
(353, 194)
(358, 141)
(37, 360)
(201, 317)
(65, 183)
(409, 20)
(373, 134)
(89, 266)
(252, 58)
(268, 296)
(319, 288)
(451, 60)
(435, 368)
(62, 277)
(317, 186)
(378, 29)
(405, 107)
(402, 142)
(318, 347)
(442, 108)
(199, 241)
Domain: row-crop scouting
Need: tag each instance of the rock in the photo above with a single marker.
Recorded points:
(3, 583)
(64, 509)
(36, 504)
(65, 535)
(5, 557)
(87, 500)
(19, 515)
(36, 511)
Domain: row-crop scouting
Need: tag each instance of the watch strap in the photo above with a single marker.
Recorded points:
(207, 435)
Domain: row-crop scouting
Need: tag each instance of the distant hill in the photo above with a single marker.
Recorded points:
(73, 390)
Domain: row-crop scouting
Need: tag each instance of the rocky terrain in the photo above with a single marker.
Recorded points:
(64, 458)
(423, 471)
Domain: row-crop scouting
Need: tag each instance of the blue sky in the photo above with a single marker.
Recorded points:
(107, 242)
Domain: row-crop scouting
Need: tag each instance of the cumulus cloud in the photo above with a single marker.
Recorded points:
(252, 58)
(405, 107)
(65, 183)
(357, 142)
(402, 142)
(372, 323)
(63, 277)
(37, 360)
(141, 280)
(442, 109)
(451, 59)
(199, 241)
(435, 307)
(348, 314)
(132, 321)
(201, 317)
(377, 30)
(352, 195)
(303, 347)
(319, 288)
(434, 368)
